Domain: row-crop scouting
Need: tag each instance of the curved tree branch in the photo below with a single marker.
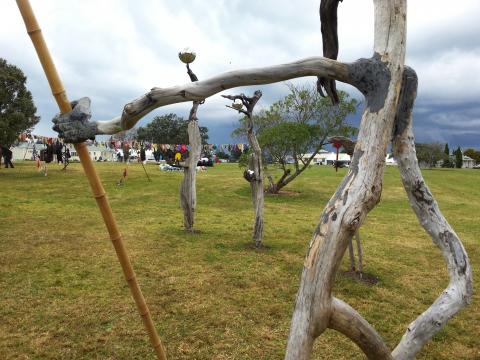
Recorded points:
(200, 90)
(459, 291)
(350, 323)
(328, 26)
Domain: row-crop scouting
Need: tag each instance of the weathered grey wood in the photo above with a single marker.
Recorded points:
(351, 255)
(200, 90)
(188, 188)
(379, 79)
(255, 163)
(459, 291)
(346, 320)
(328, 27)
(359, 253)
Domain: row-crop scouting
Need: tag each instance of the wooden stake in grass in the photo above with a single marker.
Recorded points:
(59, 93)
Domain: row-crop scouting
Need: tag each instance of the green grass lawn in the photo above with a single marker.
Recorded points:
(63, 295)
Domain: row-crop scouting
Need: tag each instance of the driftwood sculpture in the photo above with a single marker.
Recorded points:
(254, 173)
(389, 89)
(188, 188)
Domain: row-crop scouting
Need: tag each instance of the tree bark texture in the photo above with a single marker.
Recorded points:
(328, 27)
(359, 253)
(255, 164)
(459, 291)
(188, 188)
(351, 255)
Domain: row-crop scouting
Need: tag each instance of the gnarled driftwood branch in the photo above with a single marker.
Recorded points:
(459, 291)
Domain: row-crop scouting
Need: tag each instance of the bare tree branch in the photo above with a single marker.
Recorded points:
(328, 26)
(346, 320)
(200, 90)
(459, 291)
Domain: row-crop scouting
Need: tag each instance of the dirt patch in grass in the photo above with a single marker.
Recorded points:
(365, 278)
(193, 232)
(260, 248)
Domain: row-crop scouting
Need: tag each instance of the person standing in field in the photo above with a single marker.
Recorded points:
(7, 157)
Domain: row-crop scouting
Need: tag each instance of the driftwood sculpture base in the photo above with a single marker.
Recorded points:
(389, 92)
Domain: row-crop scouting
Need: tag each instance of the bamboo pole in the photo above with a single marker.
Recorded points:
(59, 93)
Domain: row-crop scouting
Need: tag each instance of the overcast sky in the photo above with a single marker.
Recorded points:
(115, 50)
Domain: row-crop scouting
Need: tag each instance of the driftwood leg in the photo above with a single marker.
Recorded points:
(257, 185)
(359, 253)
(379, 80)
(459, 291)
(255, 173)
(188, 188)
(351, 255)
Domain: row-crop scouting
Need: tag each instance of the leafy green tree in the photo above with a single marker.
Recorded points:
(168, 129)
(297, 125)
(458, 158)
(429, 155)
(235, 154)
(222, 155)
(17, 110)
(447, 163)
(474, 154)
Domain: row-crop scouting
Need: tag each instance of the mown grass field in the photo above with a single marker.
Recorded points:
(63, 295)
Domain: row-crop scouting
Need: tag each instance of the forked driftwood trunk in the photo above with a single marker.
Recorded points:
(188, 189)
(381, 79)
(254, 174)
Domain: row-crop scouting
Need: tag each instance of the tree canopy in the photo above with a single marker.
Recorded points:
(429, 155)
(472, 153)
(298, 124)
(168, 129)
(17, 110)
(458, 158)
